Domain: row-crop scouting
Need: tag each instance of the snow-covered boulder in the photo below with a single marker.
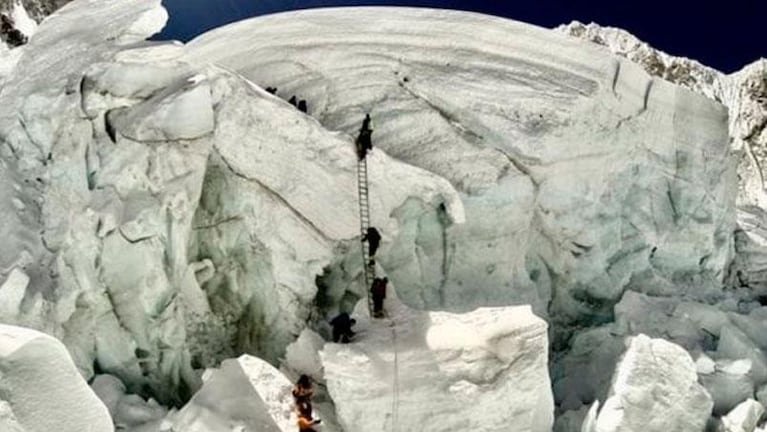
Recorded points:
(244, 394)
(41, 389)
(433, 371)
(743, 418)
(655, 389)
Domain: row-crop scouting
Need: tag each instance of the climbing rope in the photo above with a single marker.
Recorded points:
(395, 386)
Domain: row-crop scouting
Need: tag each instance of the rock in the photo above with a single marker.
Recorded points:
(42, 388)
(437, 371)
(655, 388)
(244, 394)
(743, 418)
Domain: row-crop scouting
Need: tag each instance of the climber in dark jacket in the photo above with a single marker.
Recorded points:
(10, 34)
(378, 292)
(364, 143)
(293, 101)
(302, 106)
(342, 327)
(304, 390)
(373, 237)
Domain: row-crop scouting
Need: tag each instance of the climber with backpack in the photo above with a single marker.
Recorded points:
(364, 143)
(373, 237)
(378, 292)
(304, 390)
(342, 328)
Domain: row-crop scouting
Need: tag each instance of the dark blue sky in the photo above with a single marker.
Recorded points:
(723, 34)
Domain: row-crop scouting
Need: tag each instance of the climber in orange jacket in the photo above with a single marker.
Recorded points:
(305, 420)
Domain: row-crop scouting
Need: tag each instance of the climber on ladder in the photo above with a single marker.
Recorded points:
(373, 237)
(364, 143)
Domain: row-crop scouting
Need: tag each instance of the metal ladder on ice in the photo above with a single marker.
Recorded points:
(368, 264)
(369, 271)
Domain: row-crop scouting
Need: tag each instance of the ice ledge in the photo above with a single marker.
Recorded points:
(436, 371)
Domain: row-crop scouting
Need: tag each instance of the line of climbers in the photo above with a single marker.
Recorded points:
(303, 393)
(299, 104)
(342, 324)
(364, 144)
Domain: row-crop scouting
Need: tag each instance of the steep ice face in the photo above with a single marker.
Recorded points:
(581, 176)
(41, 389)
(482, 371)
(170, 216)
(744, 93)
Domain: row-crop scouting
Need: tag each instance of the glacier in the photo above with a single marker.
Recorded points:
(559, 217)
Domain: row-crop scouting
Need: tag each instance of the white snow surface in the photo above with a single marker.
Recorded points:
(41, 389)
(433, 371)
(655, 389)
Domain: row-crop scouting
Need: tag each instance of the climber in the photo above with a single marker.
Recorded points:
(293, 101)
(272, 90)
(304, 390)
(378, 292)
(373, 237)
(302, 106)
(364, 143)
(10, 34)
(305, 420)
(342, 327)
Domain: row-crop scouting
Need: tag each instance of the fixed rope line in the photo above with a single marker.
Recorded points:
(369, 272)
(395, 391)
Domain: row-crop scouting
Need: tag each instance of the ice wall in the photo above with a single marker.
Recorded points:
(581, 175)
